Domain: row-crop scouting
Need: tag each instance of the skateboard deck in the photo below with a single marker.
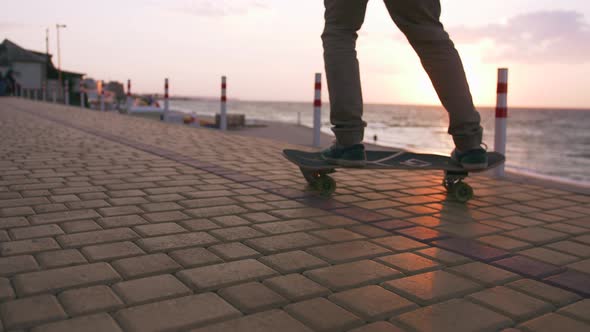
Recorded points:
(315, 169)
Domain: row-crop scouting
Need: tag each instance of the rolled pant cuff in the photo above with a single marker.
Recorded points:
(465, 143)
(348, 136)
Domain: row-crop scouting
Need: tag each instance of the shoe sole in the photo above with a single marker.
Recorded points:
(475, 167)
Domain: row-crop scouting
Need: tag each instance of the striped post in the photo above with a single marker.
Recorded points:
(317, 110)
(501, 116)
(44, 90)
(67, 92)
(81, 88)
(223, 113)
(102, 106)
(166, 104)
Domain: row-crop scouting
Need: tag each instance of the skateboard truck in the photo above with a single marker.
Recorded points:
(453, 183)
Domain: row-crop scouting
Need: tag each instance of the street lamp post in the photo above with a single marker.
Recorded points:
(59, 83)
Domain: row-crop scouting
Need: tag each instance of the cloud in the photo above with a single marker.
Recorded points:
(214, 8)
(538, 37)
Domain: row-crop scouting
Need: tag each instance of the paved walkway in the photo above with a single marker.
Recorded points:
(113, 223)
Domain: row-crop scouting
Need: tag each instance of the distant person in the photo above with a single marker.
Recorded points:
(3, 85)
(419, 21)
(11, 83)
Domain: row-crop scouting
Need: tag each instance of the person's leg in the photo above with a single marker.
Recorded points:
(343, 18)
(419, 21)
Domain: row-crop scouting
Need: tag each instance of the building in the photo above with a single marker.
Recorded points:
(31, 69)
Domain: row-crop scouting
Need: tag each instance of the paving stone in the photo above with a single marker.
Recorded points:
(409, 263)
(51, 281)
(230, 221)
(167, 228)
(195, 257)
(399, 243)
(121, 221)
(323, 315)
(355, 274)
(348, 251)
(337, 235)
(5, 203)
(80, 226)
(259, 217)
(252, 297)
(484, 273)
(168, 216)
(127, 201)
(10, 266)
(268, 321)
(557, 296)
(16, 211)
(554, 322)
(527, 267)
(369, 231)
(4, 236)
(579, 310)
(378, 327)
(572, 280)
(78, 240)
(197, 225)
(456, 315)
(30, 246)
(94, 323)
(143, 266)
(582, 266)
(6, 292)
(176, 314)
(431, 287)
(472, 249)
(372, 303)
(548, 256)
(111, 251)
(216, 211)
(91, 204)
(289, 226)
(56, 217)
(234, 251)
(571, 248)
(31, 311)
(470, 230)
(516, 305)
(35, 232)
(119, 210)
(422, 233)
(284, 242)
(536, 235)
(177, 241)
(218, 276)
(84, 301)
(150, 289)
(504, 242)
(293, 261)
(13, 222)
(443, 256)
(60, 258)
(296, 287)
(236, 233)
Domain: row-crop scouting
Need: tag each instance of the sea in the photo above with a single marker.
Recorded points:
(553, 144)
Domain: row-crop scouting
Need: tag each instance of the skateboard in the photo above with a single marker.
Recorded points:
(315, 169)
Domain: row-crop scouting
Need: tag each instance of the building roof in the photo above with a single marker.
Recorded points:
(11, 52)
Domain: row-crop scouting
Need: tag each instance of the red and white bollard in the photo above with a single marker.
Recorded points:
(81, 89)
(501, 116)
(166, 105)
(223, 113)
(67, 92)
(102, 106)
(317, 110)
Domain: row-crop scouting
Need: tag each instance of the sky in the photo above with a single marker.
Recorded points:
(271, 49)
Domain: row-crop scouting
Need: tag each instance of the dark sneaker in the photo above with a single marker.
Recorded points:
(474, 159)
(349, 156)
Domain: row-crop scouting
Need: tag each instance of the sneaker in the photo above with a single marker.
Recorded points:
(349, 156)
(474, 159)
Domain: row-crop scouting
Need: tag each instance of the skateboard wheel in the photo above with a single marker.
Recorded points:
(311, 176)
(462, 192)
(325, 185)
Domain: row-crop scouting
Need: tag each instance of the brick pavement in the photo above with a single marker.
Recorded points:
(114, 223)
